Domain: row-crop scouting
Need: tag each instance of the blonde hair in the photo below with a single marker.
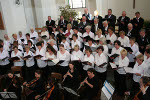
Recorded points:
(88, 27)
(124, 52)
(103, 39)
(140, 57)
(99, 31)
(69, 25)
(121, 32)
(76, 46)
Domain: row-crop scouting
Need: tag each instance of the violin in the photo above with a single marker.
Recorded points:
(49, 93)
(30, 84)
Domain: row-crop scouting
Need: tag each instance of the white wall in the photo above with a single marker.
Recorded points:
(120, 5)
(14, 17)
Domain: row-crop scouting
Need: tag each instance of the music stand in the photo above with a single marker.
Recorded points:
(8, 95)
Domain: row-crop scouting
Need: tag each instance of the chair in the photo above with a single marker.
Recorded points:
(57, 76)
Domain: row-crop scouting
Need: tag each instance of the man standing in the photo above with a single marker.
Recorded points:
(50, 23)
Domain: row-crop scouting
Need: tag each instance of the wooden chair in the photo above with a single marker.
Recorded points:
(57, 76)
(38, 30)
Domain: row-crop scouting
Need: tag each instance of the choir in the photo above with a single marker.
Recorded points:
(80, 52)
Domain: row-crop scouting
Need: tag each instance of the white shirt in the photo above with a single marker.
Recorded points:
(124, 41)
(147, 62)
(135, 49)
(112, 38)
(93, 45)
(55, 47)
(100, 59)
(19, 55)
(138, 69)
(30, 61)
(77, 42)
(65, 56)
(105, 49)
(70, 36)
(40, 62)
(77, 55)
(50, 56)
(116, 51)
(97, 37)
(122, 63)
(19, 41)
(79, 37)
(66, 45)
(89, 59)
(90, 34)
(3, 55)
(34, 34)
(45, 33)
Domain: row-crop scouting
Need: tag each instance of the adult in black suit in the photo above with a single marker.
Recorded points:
(86, 14)
(130, 32)
(62, 23)
(143, 40)
(99, 18)
(96, 25)
(73, 22)
(83, 24)
(50, 23)
(137, 22)
(111, 18)
(123, 21)
(105, 28)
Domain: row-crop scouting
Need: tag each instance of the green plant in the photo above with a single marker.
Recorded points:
(67, 12)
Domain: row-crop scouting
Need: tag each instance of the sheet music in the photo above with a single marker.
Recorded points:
(55, 61)
(108, 90)
(113, 65)
(129, 70)
(7, 95)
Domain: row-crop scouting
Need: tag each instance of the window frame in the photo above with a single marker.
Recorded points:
(77, 7)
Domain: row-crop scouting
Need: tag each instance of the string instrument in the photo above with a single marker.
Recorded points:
(13, 81)
(28, 91)
(136, 97)
(49, 92)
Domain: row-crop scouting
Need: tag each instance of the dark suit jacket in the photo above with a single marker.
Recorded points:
(139, 24)
(93, 27)
(113, 20)
(63, 25)
(123, 27)
(99, 18)
(145, 96)
(52, 23)
(82, 26)
(133, 33)
(75, 24)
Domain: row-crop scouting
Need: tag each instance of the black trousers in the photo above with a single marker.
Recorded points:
(102, 76)
(29, 73)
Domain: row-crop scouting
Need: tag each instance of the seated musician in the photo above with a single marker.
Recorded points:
(91, 86)
(37, 86)
(144, 92)
(12, 84)
(71, 77)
